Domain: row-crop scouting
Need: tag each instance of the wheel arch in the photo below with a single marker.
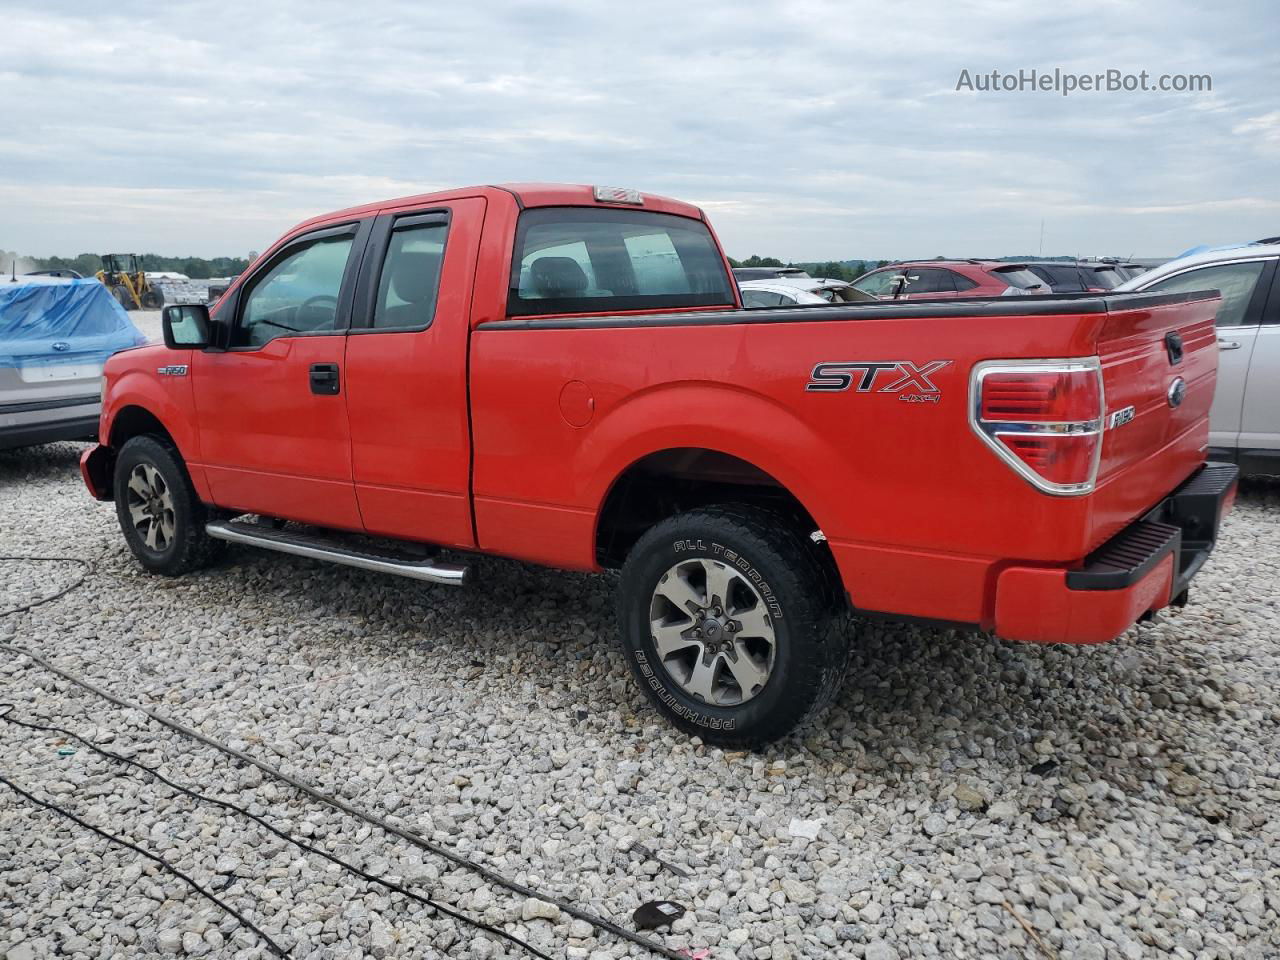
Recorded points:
(717, 435)
(137, 406)
(134, 420)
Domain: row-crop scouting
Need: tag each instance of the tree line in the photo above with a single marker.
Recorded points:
(847, 270)
(87, 264)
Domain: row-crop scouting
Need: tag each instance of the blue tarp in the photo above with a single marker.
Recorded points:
(45, 320)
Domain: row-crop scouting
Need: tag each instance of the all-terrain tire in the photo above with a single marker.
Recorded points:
(811, 635)
(188, 547)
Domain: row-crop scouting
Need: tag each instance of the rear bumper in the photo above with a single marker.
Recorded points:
(1147, 566)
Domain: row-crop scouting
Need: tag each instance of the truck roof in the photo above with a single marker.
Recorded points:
(526, 195)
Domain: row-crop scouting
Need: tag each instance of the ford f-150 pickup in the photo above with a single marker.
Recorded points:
(565, 375)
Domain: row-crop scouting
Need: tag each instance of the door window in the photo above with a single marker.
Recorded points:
(763, 298)
(410, 278)
(882, 283)
(1234, 281)
(928, 281)
(297, 295)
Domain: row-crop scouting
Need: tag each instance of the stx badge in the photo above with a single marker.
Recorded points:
(902, 377)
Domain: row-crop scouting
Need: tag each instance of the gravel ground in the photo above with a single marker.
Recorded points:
(1120, 801)
(148, 321)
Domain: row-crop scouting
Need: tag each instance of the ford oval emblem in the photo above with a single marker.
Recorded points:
(1177, 392)
(62, 346)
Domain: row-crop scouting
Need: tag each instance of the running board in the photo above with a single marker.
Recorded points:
(319, 548)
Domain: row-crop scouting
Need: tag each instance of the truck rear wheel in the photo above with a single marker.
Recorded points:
(162, 518)
(728, 623)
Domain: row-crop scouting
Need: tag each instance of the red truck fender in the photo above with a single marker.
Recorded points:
(675, 416)
(138, 402)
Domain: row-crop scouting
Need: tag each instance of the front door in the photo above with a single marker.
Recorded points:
(1243, 285)
(271, 406)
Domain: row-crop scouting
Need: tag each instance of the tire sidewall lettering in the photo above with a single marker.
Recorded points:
(717, 551)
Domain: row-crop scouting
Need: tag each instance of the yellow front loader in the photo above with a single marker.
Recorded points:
(124, 277)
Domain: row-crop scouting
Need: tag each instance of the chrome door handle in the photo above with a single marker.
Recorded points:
(1228, 344)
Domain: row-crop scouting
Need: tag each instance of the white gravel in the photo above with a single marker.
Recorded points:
(1121, 801)
(148, 321)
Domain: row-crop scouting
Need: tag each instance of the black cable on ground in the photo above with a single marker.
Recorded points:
(6, 714)
(86, 564)
(410, 836)
(120, 841)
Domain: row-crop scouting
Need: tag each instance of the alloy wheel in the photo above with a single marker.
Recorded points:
(151, 507)
(713, 632)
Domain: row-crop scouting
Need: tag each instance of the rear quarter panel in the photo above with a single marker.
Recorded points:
(916, 508)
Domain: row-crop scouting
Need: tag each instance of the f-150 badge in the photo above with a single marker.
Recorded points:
(902, 377)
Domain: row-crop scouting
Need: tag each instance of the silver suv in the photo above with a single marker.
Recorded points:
(1244, 424)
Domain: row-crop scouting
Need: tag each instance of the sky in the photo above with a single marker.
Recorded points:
(806, 130)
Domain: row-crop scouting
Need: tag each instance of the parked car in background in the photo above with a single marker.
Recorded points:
(1128, 270)
(1065, 276)
(775, 293)
(791, 288)
(766, 273)
(55, 335)
(66, 273)
(950, 278)
(1244, 423)
(218, 287)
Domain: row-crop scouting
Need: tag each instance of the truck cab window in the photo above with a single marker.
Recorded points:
(594, 260)
(410, 278)
(297, 295)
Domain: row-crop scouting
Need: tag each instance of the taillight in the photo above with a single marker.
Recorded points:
(1043, 418)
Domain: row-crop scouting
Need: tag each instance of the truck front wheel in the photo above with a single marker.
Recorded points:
(729, 625)
(162, 517)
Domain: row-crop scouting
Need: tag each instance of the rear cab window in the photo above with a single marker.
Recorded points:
(601, 260)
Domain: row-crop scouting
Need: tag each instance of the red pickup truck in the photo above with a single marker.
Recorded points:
(565, 375)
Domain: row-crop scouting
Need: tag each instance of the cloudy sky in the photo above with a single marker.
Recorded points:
(806, 129)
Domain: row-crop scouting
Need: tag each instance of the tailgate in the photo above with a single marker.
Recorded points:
(1159, 366)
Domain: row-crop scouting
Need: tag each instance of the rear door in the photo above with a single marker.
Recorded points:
(407, 373)
(271, 407)
(1260, 417)
(1243, 285)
